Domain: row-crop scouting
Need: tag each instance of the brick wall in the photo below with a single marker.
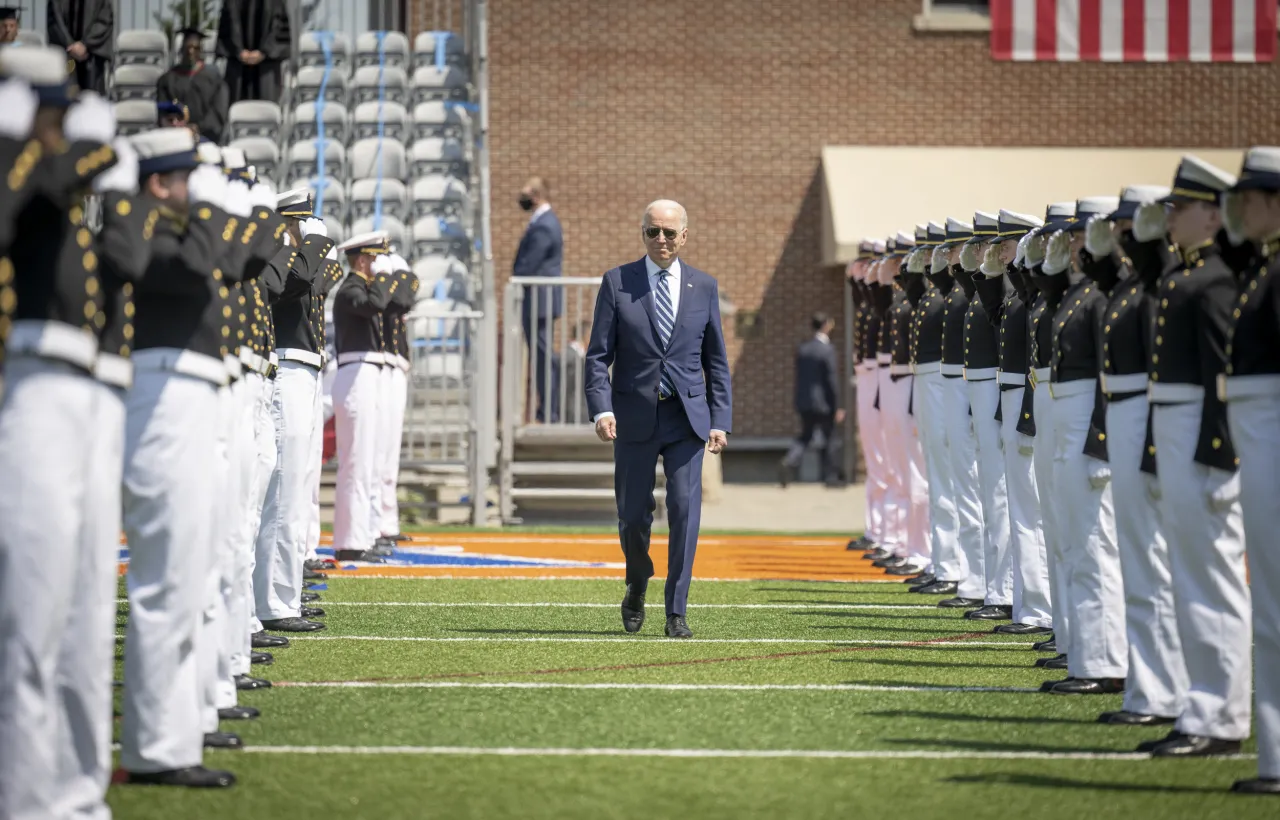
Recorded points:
(725, 105)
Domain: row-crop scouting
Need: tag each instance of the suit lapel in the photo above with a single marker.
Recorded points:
(640, 272)
(687, 287)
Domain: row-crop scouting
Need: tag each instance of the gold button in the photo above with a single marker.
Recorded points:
(1160, 321)
(91, 286)
(226, 331)
(1217, 443)
(1235, 314)
(1244, 298)
(84, 238)
(129, 310)
(90, 260)
(1253, 285)
(1172, 284)
(1151, 449)
(1159, 340)
(1164, 303)
(1102, 437)
(123, 207)
(89, 309)
(127, 331)
(226, 311)
(223, 292)
(1106, 363)
(1115, 315)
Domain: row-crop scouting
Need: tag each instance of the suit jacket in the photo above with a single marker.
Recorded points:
(624, 335)
(95, 27)
(541, 253)
(817, 386)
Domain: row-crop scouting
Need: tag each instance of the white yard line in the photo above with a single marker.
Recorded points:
(597, 605)
(926, 642)
(657, 687)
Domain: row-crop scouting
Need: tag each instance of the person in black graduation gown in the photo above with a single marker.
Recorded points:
(254, 37)
(87, 30)
(198, 87)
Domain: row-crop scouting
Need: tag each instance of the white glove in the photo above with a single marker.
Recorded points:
(398, 263)
(311, 226)
(1233, 218)
(262, 195)
(1153, 486)
(1099, 473)
(1035, 251)
(1223, 488)
(1098, 240)
(969, 258)
(1149, 222)
(382, 264)
(19, 103)
(1026, 445)
(92, 119)
(916, 261)
(288, 239)
(332, 255)
(237, 201)
(1021, 253)
(992, 267)
(123, 176)
(939, 262)
(208, 184)
(1057, 257)
(209, 154)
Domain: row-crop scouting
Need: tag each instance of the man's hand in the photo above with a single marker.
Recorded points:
(256, 57)
(78, 51)
(607, 428)
(244, 56)
(840, 417)
(717, 442)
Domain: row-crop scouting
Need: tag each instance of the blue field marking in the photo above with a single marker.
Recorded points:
(427, 558)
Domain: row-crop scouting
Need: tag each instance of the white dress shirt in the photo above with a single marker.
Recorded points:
(539, 211)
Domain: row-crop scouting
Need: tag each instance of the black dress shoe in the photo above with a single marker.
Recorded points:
(1150, 745)
(398, 537)
(261, 658)
(383, 548)
(633, 608)
(308, 597)
(1126, 718)
(194, 777)
(1089, 686)
(921, 580)
(315, 564)
(991, 612)
(959, 603)
(1057, 662)
(888, 561)
(261, 640)
(1261, 785)
(677, 628)
(1050, 645)
(860, 543)
(876, 554)
(238, 713)
(1048, 685)
(313, 575)
(292, 625)
(1196, 746)
(366, 556)
(784, 476)
(904, 570)
(1021, 629)
(244, 683)
(222, 740)
(312, 612)
(939, 588)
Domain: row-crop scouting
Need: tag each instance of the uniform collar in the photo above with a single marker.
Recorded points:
(1192, 256)
(1271, 245)
(822, 337)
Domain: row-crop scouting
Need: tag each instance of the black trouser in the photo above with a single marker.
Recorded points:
(540, 336)
(811, 423)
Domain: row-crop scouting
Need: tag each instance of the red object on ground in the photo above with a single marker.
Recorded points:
(330, 441)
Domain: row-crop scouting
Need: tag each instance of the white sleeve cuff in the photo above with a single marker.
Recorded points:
(606, 414)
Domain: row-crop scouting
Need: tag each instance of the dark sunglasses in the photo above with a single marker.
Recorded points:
(669, 233)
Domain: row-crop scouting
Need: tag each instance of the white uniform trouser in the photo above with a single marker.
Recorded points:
(171, 440)
(1206, 560)
(984, 398)
(286, 512)
(944, 524)
(262, 461)
(214, 645)
(871, 437)
(61, 442)
(1157, 679)
(390, 432)
(897, 500)
(1042, 459)
(355, 399)
(242, 454)
(1031, 599)
(962, 455)
(1255, 432)
(918, 553)
(1086, 517)
(313, 476)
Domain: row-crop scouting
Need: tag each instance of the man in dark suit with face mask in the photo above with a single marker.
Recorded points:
(541, 253)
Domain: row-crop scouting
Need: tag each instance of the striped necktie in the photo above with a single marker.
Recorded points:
(666, 324)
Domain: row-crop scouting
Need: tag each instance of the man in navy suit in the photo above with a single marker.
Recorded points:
(818, 401)
(657, 323)
(541, 253)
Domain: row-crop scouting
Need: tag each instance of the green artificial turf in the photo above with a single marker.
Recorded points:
(426, 694)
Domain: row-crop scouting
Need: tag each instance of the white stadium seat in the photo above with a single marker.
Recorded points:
(441, 118)
(366, 160)
(310, 79)
(135, 116)
(395, 49)
(366, 192)
(395, 121)
(431, 83)
(438, 156)
(439, 195)
(335, 196)
(304, 127)
(367, 81)
(440, 236)
(311, 52)
(303, 161)
(135, 82)
(254, 118)
(263, 154)
(430, 46)
(143, 46)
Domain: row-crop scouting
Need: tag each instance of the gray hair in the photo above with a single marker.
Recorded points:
(665, 203)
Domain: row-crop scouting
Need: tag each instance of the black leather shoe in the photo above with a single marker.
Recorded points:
(292, 625)
(1048, 685)
(1150, 745)
(1196, 746)
(315, 564)
(238, 713)
(312, 612)
(889, 561)
(991, 612)
(313, 575)
(876, 554)
(194, 777)
(633, 608)
(860, 543)
(677, 628)
(398, 537)
(1261, 785)
(959, 603)
(1125, 718)
(366, 556)
(904, 570)
(383, 547)
(938, 588)
(309, 597)
(1089, 686)
(1021, 629)
(261, 640)
(222, 740)
(244, 683)
(1051, 645)
(921, 580)
(261, 658)
(1058, 662)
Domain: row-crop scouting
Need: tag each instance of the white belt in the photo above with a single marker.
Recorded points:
(953, 370)
(884, 358)
(1174, 393)
(401, 362)
(899, 370)
(980, 374)
(865, 367)
(293, 354)
(53, 340)
(233, 366)
(1006, 377)
(273, 358)
(1062, 390)
(361, 357)
(252, 361)
(1042, 373)
(1262, 386)
(114, 370)
(926, 368)
(186, 362)
(1126, 383)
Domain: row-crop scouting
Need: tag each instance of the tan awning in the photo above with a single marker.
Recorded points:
(875, 191)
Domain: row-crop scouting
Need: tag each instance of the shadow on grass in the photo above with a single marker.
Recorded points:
(829, 590)
(994, 746)
(540, 631)
(936, 664)
(900, 615)
(1047, 782)
(963, 717)
(919, 633)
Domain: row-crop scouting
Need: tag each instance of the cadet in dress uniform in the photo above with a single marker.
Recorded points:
(1251, 388)
(1004, 297)
(56, 547)
(1157, 679)
(298, 317)
(395, 347)
(883, 295)
(865, 333)
(357, 319)
(1196, 462)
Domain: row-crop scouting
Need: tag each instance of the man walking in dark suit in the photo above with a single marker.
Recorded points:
(818, 401)
(657, 323)
(541, 253)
